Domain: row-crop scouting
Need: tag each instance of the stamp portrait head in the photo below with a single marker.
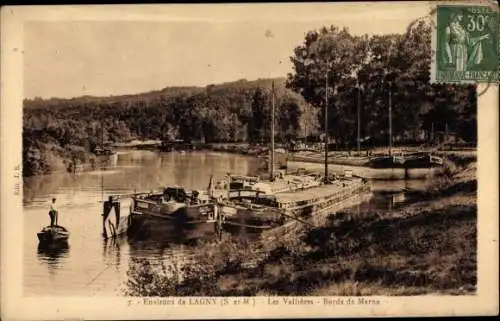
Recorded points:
(456, 17)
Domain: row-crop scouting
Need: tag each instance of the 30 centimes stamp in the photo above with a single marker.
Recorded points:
(466, 44)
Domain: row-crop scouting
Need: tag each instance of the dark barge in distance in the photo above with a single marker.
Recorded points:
(408, 161)
(176, 145)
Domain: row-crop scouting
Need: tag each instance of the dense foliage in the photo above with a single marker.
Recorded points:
(59, 131)
(377, 65)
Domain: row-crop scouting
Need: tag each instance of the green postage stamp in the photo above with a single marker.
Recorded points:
(466, 44)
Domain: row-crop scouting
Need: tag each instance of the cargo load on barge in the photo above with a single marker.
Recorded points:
(268, 205)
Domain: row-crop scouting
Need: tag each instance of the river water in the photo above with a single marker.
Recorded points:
(90, 266)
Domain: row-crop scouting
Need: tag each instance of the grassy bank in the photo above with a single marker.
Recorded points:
(426, 246)
(335, 158)
(362, 159)
(46, 158)
(237, 148)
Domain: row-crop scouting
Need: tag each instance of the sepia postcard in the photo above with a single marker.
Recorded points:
(280, 160)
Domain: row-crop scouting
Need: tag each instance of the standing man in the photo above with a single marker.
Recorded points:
(461, 50)
(53, 213)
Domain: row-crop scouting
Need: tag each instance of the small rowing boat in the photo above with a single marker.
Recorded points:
(53, 234)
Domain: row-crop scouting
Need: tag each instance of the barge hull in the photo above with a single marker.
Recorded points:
(142, 226)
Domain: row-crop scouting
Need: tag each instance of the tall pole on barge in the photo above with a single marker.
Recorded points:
(272, 135)
(359, 122)
(326, 126)
(100, 161)
(390, 118)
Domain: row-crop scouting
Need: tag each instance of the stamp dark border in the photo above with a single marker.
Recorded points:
(466, 44)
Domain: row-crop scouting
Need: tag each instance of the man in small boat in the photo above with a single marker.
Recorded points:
(53, 213)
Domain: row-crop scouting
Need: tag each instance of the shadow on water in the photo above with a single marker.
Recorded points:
(385, 201)
(53, 254)
(111, 251)
(157, 242)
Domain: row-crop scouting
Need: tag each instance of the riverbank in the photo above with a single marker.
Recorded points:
(239, 148)
(335, 158)
(48, 158)
(363, 159)
(428, 245)
(52, 159)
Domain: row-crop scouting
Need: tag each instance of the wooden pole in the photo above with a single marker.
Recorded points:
(359, 123)
(272, 135)
(390, 119)
(326, 126)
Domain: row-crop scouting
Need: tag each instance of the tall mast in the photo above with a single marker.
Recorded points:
(445, 135)
(326, 126)
(389, 77)
(101, 163)
(272, 135)
(102, 135)
(359, 123)
(390, 118)
(432, 134)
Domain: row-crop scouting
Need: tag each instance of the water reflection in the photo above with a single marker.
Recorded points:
(381, 200)
(111, 251)
(53, 254)
(95, 266)
(108, 161)
(79, 196)
(372, 173)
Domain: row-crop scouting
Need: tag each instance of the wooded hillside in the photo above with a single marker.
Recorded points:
(59, 130)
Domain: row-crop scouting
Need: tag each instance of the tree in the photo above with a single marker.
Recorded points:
(260, 117)
(289, 118)
(392, 65)
(329, 54)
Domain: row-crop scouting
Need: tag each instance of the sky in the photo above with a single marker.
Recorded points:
(133, 51)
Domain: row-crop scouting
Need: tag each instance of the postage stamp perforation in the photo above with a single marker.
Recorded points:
(465, 43)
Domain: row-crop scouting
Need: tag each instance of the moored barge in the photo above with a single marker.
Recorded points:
(261, 209)
(173, 213)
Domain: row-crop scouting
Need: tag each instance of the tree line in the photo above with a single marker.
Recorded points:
(57, 131)
(364, 73)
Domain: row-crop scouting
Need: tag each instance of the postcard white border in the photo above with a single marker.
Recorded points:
(16, 306)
